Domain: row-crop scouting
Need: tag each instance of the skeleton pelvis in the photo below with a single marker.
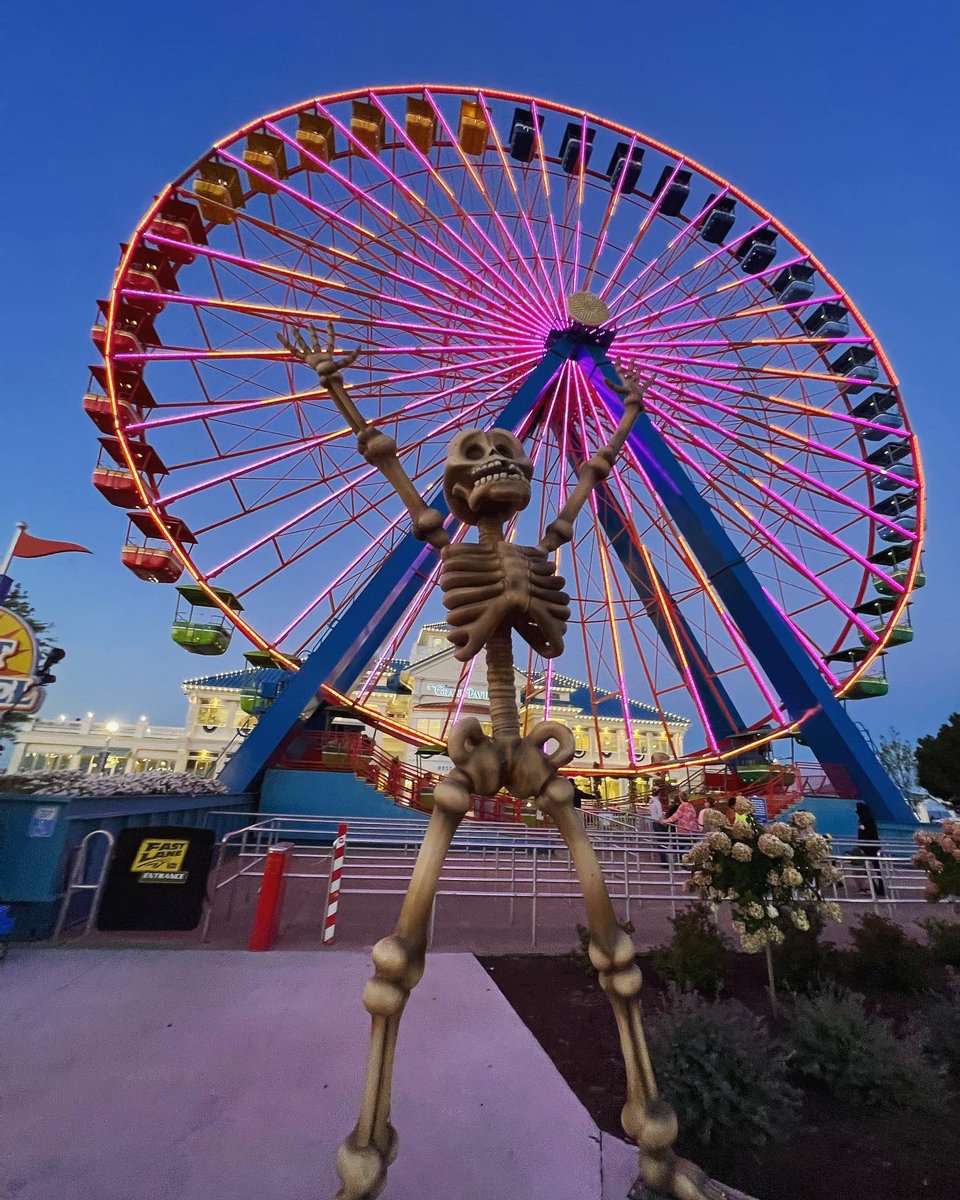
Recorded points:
(521, 765)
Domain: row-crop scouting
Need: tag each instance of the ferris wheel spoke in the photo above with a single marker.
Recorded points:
(613, 278)
(613, 200)
(536, 298)
(447, 231)
(675, 248)
(795, 406)
(673, 284)
(791, 510)
(718, 318)
(733, 497)
(781, 464)
(389, 219)
(666, 527)
(553, 304)
(370, 473)
(312, 284)
(736, 370)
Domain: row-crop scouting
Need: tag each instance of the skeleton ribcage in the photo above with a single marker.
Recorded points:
(486, 587)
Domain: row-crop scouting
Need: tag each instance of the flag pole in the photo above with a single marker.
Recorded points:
(8, 557)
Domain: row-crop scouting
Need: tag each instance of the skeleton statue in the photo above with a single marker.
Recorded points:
(491, 588)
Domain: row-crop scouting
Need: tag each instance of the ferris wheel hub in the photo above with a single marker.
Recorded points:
(587, 309)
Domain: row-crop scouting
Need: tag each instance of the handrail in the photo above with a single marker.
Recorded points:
(77, 872)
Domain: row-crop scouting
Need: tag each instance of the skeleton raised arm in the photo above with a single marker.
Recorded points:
(377, 447)
(597, 468)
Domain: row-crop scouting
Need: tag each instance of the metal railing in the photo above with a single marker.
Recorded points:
(517, 863)
(77, 881)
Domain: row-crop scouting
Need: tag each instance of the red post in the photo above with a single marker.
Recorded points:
(266, 920)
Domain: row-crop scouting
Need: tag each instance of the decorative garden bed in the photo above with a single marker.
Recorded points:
(826, 1138)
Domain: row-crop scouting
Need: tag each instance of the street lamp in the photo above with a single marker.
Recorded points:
(111, 728)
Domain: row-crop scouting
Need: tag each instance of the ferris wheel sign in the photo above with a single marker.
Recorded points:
(20, 688)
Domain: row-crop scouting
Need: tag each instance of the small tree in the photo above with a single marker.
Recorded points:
(18, 602)
(899, 758)
(938, 760)
(773, 875)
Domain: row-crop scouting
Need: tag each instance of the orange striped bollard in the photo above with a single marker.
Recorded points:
(333, 891)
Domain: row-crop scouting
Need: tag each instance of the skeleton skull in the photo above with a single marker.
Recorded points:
(487, 474)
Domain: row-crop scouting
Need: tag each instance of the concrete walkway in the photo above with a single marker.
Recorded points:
(182, 1075)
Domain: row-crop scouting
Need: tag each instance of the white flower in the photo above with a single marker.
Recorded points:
(719, 841)
(741, 852)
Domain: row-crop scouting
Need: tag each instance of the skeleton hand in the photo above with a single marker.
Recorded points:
(631, 390)
(317, 357)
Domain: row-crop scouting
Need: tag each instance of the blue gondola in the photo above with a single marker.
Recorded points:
(756, 252)
(677, 191)
(830, 320)
(859, 362)
(523, 134)
(794, 283)
(719, 220)
(570, 147)
(620, 166)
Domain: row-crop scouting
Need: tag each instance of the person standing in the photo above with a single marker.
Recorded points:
(685, 818)
(658, 825)
(869, 847)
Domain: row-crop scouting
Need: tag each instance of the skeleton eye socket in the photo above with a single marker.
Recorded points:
(507, 449)
(473, 450)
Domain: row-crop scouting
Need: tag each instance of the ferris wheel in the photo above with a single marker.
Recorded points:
(470, 243)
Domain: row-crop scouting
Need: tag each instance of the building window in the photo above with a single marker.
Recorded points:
(202, 763)
(581, 739)
(211, 714)
(153, 764)
(37, 761)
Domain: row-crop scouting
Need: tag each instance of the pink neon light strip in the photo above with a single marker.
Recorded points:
(772, 539)
(361, 195)
(465, 215)
(820, 485)
(687, 556)
(778, 499)
(365, 197)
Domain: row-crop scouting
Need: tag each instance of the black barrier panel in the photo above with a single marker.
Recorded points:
(157, 879)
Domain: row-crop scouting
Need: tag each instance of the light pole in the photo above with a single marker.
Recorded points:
(111, 728)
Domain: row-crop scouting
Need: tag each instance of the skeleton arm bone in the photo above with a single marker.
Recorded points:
(597, 468)
(377, 447)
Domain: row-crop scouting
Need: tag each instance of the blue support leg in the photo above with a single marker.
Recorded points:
(828, 730)
(350, 645)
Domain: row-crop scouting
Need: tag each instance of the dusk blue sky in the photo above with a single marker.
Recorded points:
(841, 119)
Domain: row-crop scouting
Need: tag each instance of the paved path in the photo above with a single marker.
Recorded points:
(184, 1075)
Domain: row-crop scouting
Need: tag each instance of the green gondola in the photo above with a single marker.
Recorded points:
(199, 633)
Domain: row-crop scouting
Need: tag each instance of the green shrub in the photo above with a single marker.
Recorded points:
(944, 939)
(941, 1031)
(581, 956)
(698, 956)
(802, 963)
(858, 1057)
(885, 957)
(726, 1079)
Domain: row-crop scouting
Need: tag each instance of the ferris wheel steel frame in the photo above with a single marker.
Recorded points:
(810, 692)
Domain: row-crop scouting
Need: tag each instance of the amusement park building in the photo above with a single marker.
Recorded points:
(415, 692)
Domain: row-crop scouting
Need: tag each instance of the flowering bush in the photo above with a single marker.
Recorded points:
(772, 874)
(939, 856)
(78, 783)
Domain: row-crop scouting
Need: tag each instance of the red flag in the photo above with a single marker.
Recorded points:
(28, 546)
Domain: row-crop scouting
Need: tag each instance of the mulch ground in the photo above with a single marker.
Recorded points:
(836, 1153)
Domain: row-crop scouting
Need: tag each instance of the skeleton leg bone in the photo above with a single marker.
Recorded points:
(368, 1150)
(646, 1117)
